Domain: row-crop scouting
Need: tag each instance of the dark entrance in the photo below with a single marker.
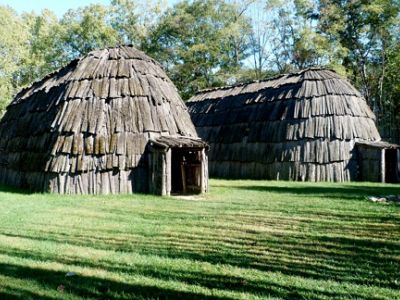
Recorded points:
(186, 171)
(391, 166)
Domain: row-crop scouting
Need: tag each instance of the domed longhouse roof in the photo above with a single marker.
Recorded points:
(299, 126)
(96, 114)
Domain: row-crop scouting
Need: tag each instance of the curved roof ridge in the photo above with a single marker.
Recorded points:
(129, 52)
(275, 77)
(22, 91)
(304, 83)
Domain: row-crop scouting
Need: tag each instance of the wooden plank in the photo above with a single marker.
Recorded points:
(82, 89)
(124, 87)
(124, 66)
(113, 92)
(113, 142)
(105, 87)
(145, 114)
(97, 85)
(113, 53)
(89, 147)
(100, 115)
(113, 68)
(121, 144)
(135, 86)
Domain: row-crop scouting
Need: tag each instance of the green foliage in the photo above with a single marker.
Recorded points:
(353, 37)
(13, 49)
(33, 45)
(44, 54)
(206, 43)
(199, 43)
(245, 240)
(133, 20)
(391, 94)
(367, 32)
(86, 29)
(249, 74)
(124, 20)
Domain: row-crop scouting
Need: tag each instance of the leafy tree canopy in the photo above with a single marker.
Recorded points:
(200, 43)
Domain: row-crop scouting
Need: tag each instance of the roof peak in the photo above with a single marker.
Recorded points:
(118, 52)
(91, 63)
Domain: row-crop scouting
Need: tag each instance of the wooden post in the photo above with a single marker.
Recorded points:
(163, 180)
(168, 173)
(398, 165)
(150, 164)
(183, 177)
(204, 171)
(383, 170)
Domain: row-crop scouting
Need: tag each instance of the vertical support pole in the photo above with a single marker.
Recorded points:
(383, 169)
(183, 173)
(163, 181)
(168, 172)
(150, 175)
(398, 165)
(204, 171)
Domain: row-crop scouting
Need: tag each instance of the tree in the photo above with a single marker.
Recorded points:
(132, 19)
(13, 50)
(286, 37)
(260, 38)
(199, 43)
(366, 29)
(86, 29)
(390, 93)
(43, 52)
(362, 27)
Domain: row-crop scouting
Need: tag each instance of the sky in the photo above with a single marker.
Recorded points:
(58, 6)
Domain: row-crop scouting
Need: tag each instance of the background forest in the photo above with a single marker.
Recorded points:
(206, 43)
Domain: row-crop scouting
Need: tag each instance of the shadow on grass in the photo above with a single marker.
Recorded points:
(355, 260)
(100, 288)
(14, 190)
(89, 287)
(335, 258)
(348, 191)
(22, 294)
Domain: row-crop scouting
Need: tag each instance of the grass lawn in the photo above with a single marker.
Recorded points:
(244, 240)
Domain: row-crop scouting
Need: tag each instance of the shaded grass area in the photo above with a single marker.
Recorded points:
(244, 240)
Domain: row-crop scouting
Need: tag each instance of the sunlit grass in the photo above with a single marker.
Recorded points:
(243, 240)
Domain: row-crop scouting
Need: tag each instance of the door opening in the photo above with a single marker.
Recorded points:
(391, 166)
(186, 171)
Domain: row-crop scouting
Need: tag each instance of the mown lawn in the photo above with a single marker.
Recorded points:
(244, 240)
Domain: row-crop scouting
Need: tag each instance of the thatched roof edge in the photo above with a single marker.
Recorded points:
(378, 144)
(167, 142)
(274, 83)
(20, 96)
(239, 84)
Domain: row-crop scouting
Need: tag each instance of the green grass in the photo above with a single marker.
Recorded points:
(244, 240)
